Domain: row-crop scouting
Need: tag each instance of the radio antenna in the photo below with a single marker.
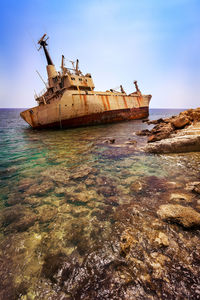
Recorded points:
(42, 79)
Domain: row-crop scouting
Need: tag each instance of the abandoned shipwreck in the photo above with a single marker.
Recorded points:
(70, 100)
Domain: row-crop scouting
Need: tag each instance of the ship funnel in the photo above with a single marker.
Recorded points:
(51, 70)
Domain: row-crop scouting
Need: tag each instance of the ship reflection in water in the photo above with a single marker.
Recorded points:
(71, 101)
(78, 214)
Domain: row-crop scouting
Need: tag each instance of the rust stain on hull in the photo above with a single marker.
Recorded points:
(108, 103)
(85, 100)
(139, 99)
(103, 101)
(102, 118)
(125, 103)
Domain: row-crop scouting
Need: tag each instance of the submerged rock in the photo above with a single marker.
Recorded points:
(17, 218)
(89, 181)
(131, 142)
(113, 200)
(79, 198)
(137, 186)
(40, 189)
(149, 185)
(127, 241)
(174, 185)
(7, 287)
(58, 175)
(179, 197)
(26, 183)
(104, 181)
(197, 188)
(191, 186)
(81, 171)
(162, 239)
(110, 141)
(183, 215)
(46, 213)
(107, 191)
(52, 264)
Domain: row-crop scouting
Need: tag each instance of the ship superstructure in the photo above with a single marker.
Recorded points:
(70, 100)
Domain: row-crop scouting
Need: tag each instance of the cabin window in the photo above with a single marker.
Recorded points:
(72, 78)
(80, 79)
(31, 112)
(55, 79)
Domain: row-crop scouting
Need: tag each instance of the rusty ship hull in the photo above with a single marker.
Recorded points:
(70, 100)
(74, 110)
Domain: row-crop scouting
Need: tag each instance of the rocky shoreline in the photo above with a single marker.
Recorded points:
(178, 134)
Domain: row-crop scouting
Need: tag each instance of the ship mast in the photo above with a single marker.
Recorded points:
(51, 70)
(43, 43)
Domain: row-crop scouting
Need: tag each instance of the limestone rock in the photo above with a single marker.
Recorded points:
(46, 213)
(89, 182)
(60, 191)
(26, 183)
(143, 132)
(58, 175)
(79, 198)
(162, 239)
(180, 121)
(164, 128)
(131, 142)
(161, 131)
(180, 197)
(156, 121)
(197, 188)
(107, 191)
(40, 189)
(180, 144)
(174, 185)
(17, 218)
(185, 216)
(195, 115)
(137, 186)
(82, 171)
(127, 241)
(193, 187)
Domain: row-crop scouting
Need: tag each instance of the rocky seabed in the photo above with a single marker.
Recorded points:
(99, 219)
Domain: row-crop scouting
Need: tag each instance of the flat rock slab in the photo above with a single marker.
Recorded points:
(179, 144)
(183, 215)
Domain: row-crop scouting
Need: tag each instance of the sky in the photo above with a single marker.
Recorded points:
(155, 42)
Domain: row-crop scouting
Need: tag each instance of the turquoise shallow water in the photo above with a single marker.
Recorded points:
(66, 198)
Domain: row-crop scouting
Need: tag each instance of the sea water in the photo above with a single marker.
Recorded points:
(78, 214)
